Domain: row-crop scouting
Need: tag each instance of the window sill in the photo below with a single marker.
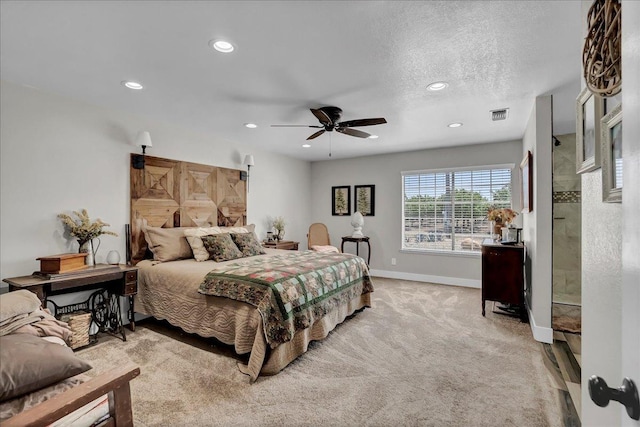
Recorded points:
(462, 254)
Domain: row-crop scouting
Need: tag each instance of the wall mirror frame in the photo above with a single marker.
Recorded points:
(589, 112)
(611, 127)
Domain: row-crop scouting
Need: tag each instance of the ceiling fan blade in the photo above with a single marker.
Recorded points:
(297, 126)
(362, 122)
(353, 132)
(317, 134)
(322, 116)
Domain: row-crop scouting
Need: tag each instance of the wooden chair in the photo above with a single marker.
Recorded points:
(318, 238)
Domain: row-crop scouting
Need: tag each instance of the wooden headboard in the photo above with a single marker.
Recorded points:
(171, 193)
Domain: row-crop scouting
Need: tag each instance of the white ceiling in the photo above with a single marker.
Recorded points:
(372, 59)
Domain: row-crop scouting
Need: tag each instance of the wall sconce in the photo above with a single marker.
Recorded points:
(248, 162)
(142, 140)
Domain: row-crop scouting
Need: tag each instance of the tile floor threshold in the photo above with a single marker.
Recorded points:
(563, 359)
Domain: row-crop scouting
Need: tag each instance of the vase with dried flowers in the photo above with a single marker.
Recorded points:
(278, 225)
(85, 232)
(501, 217)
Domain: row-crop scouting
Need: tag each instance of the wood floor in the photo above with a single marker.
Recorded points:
(564, 361)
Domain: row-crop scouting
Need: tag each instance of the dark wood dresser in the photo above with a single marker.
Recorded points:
(503, 275)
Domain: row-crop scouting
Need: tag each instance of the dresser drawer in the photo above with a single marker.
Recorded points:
(130, 288)
(131, 276)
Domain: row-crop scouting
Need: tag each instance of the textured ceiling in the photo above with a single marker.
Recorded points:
(372, 59)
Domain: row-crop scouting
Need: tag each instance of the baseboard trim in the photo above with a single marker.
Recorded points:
(540, 333)
(442, 280)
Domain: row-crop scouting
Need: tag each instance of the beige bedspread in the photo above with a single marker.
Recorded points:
(169, 291)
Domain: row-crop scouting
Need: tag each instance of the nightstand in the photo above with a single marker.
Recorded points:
(282, 244)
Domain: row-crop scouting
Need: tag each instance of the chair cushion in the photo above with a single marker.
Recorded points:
(325, 248)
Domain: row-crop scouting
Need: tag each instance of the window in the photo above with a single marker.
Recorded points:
(447, 210)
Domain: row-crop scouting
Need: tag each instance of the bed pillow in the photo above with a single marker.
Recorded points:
(242, 229)
(194, 237)
(247, 243)
(221, 247)
(168, 244)
(30, 363)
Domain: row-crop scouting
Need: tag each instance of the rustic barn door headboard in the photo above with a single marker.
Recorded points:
(171, 193)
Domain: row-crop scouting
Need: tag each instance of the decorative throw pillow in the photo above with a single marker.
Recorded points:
(247, 243)
(194, 237)
(168, 244)
(221, 247)
(30, 363)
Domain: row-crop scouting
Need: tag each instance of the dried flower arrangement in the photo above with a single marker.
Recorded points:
(82, 228)
(278, 223)
(501, 215)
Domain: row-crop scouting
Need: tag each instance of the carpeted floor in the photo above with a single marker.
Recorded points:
(422, 356)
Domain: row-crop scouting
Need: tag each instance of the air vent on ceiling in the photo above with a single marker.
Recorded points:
(500, 114)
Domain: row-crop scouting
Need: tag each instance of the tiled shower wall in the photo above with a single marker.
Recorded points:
(566, 222)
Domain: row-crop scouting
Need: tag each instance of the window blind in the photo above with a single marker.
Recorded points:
(446, 210)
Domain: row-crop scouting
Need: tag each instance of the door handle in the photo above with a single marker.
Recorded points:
(627, 394)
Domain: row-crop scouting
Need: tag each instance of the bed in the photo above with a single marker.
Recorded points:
(173, 291)
(177, 207)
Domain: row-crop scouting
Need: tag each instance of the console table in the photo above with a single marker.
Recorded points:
(282, 244)
(357, 241)
(503, 275)
(116, 280)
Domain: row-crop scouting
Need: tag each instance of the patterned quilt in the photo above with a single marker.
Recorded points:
(291, 291)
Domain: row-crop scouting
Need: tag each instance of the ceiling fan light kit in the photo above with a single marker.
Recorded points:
(437, 86)
(222, 46)
(328, 118)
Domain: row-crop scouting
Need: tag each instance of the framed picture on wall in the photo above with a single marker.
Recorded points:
(341, 200)
(611, 126)
(589, 111)
(364, 199)
(526, 183)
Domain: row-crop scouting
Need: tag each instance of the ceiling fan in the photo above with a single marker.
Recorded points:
(329, 116)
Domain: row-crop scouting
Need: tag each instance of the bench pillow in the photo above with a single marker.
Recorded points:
(30, 363)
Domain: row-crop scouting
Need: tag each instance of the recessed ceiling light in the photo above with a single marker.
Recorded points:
(373, 137)
(438, 86)
(250, 125)
(132, 85)
(454, 125)
(306, 145)
(221, 46)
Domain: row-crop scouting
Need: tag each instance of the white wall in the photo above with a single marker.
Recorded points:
(537, 231)
(59, 155)
(385, 228)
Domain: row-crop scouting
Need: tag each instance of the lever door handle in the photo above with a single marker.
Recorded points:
(627, 394)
